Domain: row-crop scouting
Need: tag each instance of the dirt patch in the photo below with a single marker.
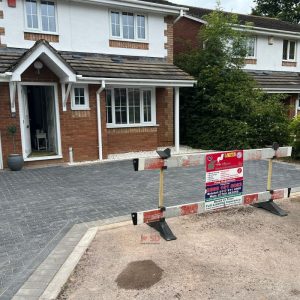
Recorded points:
(139, 275)
(242, 253)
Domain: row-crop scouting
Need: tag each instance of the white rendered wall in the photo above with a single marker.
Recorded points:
(269, 57)
(81, 28)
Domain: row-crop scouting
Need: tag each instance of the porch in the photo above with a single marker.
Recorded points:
(80, 106)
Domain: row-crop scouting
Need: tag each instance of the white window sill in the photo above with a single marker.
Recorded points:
(40, 32)
(80, 108)
(110, 126)
(284, 60)
(43, 158)
(128, 40)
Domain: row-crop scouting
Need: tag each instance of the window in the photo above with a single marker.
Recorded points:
(251, 47)
(41, 15)
(48, 16)
(80, 98)
(141, 27)
(289, 50)
(31, 14)
(115, 24)
(128, 26)
(147, 106)
(130, 106)
(108, 106)
(120, 106)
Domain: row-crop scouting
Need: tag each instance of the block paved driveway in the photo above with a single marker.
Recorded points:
(38, 206)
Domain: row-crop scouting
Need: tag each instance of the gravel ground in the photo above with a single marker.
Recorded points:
(241, 253)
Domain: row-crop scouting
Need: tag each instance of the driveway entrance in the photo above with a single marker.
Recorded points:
(38, 206)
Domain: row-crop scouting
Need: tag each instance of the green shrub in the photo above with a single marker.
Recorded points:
(226, 109)
(295, 132)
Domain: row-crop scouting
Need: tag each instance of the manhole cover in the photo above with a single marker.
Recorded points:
(139, 275)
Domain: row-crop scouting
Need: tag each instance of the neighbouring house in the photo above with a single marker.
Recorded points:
(85, 79)
(273, 57)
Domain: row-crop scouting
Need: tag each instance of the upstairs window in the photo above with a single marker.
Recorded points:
(289, 50)
(128, 26)
(31, 14)
(251, 47)
(127, 107)
(41, 15)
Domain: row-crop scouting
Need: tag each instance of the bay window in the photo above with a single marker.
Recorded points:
(127, 107)
(40, 15)
(128, 26)
(289, 50)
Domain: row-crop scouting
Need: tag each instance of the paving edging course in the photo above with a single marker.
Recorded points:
(49, 277)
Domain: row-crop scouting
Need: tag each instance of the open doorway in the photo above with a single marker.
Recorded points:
(40, 121)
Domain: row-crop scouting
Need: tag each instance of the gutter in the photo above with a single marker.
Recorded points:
(99, 120)
(138, 4)
(138, 82)
(265, 32)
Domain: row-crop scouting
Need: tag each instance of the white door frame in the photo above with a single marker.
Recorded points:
(21, 114)
(1, 155)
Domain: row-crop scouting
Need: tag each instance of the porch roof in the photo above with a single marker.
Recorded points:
(101, 65)
(277, 81)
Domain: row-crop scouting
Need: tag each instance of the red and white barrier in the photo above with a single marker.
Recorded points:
(155, 215)
(196, 159)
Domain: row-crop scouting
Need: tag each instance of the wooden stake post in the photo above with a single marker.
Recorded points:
(270, 205)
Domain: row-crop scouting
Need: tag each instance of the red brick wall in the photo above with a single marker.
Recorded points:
(79, 129)
(7, 120)
(169, 34)
(122, 140)
(186, 35)
(165, 116)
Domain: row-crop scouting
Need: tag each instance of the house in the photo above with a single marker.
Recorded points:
(85, 79)
(273, 57)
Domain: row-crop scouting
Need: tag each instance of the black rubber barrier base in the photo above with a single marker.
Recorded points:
(163, 228)
(272, 207)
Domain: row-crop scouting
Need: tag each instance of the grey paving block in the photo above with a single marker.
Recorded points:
(39, 206)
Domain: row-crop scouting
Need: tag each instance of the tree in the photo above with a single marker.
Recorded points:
(285, 10)
(226, 109)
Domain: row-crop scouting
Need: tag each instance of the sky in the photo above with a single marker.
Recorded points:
(238, 6)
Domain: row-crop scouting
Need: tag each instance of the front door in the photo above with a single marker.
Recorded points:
(26, 123)
(51, 119)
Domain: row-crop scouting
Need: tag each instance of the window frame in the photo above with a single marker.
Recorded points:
(142, 122)
(288, 50)
(39, 18)
(255, 48)
(86, 106)
(121, 37)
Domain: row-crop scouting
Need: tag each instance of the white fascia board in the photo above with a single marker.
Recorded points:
(267, 31)
(134, 4)
(137, 82)
(43, 50)
(253, 29)
(281, 91)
